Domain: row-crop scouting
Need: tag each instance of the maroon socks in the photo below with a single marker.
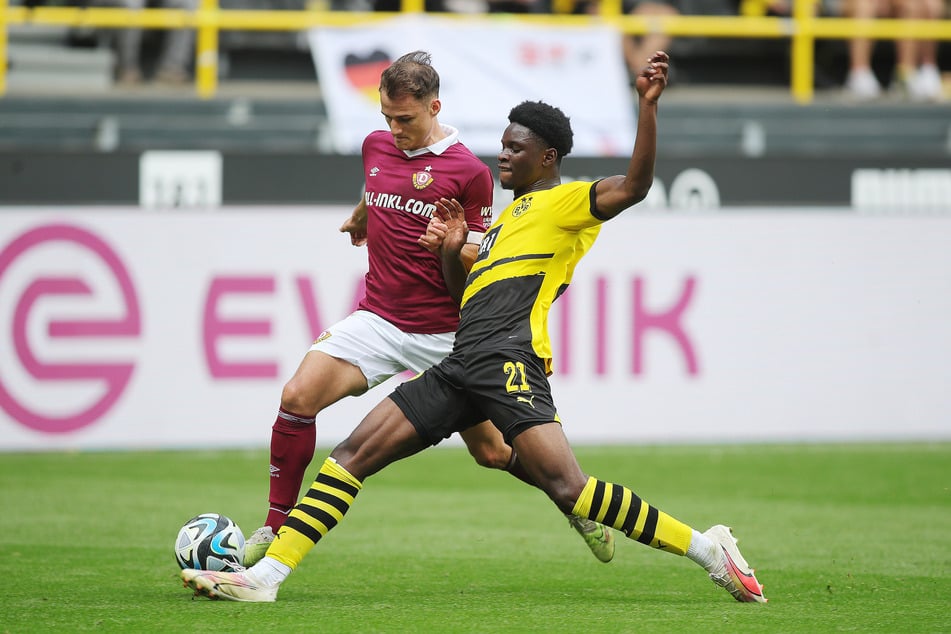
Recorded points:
(293, 439)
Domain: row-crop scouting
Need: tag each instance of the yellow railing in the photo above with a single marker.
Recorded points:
(802, 29)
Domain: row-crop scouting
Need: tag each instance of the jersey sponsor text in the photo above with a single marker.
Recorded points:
(395, 201)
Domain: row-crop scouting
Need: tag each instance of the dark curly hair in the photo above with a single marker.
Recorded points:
(412, 74)
(546, 122)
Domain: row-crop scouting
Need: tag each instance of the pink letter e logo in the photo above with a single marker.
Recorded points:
(49, 274)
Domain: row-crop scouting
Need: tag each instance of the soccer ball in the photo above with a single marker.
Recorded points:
(210, 542)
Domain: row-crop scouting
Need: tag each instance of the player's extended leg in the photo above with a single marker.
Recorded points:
(384, 437)
(549, 460)
(487, 446)
(320, 381)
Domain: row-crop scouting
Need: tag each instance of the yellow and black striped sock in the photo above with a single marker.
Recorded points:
(324, 505)
(619, 507)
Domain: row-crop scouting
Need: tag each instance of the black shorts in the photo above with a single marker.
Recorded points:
(508, 387)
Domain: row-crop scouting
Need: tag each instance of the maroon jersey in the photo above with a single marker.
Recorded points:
(404, 284)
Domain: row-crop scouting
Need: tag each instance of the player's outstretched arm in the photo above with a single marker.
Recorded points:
(356, 225)
(432, 241)
(450, 230)
(617, 193)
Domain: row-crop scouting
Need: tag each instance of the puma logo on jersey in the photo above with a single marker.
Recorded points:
(526, 399)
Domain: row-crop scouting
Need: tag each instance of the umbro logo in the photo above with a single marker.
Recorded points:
(275, 471)
(374, 171)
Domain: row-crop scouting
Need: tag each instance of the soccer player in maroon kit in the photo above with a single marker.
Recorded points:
(407, 320)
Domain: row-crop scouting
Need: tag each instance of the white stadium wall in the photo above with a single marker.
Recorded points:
(124, 328)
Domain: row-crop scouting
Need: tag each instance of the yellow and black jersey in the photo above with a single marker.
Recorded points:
(525, 261)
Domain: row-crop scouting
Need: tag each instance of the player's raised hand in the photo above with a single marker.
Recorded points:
(452, 217)
(652, 79)
(435, 233)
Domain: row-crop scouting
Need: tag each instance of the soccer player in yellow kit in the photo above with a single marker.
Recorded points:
(499, 366)
(407, 319)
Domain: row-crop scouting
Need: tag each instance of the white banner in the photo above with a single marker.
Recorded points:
(125, 328)
(485, 70)
(189, 179)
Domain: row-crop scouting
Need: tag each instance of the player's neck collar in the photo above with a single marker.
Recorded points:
(440, 146)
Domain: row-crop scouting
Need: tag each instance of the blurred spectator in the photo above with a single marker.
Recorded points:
(924, 82)
(176, 52)
(637, 49)
(916, 72)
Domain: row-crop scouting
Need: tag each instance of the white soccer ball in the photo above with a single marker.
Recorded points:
(210, 542)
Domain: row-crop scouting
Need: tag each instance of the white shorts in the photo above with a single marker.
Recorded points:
(380, 349)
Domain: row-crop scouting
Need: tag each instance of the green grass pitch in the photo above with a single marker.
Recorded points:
(850, 537)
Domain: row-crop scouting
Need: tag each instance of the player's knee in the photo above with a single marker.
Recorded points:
(296, 399)
(491, 457)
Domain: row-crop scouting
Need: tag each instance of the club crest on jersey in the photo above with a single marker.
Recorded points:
(422, 180)
(523, 205)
